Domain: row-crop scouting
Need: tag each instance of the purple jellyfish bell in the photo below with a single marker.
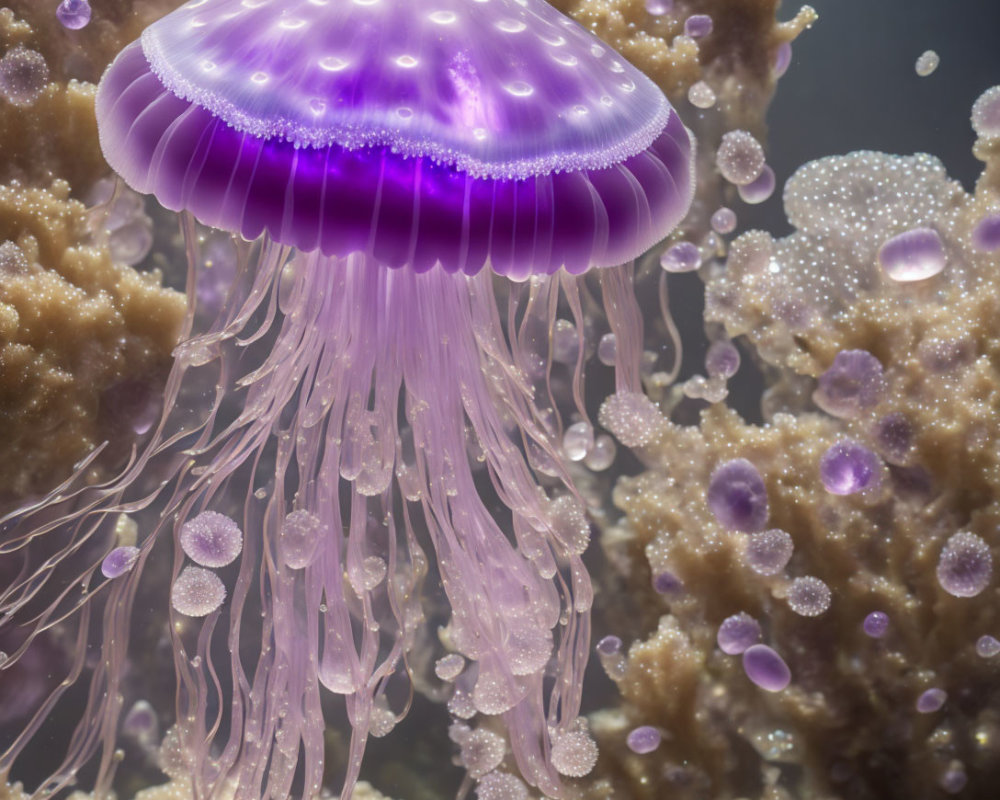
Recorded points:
(323, 419)
(449, 133)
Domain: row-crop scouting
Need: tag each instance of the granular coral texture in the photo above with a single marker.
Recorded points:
(79, 336)
(917, 711)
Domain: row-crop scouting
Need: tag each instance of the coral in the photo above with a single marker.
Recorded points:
(76, 330)
(890, 501)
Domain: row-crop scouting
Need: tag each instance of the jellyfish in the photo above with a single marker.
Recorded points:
(416, 191)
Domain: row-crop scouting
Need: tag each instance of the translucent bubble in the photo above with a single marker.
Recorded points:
(737, 633)
(809, 596)
(926, 63)
(449, 667)
(768, 552)
(644, 739)
(657, 8)
(986, 234)
(211, 539)
(142, 723)
(740, 158)
(602, 454)
(565, 342)
(700, 95)
(876, 624)
(131, 243)
(698, 25)
(501, 786)
(681, 257)
(851, 384)
(23, 76)
(607, 348)
(766, 668)
(759, 189)
(848, 467)
(954, 778)
(986, 114)
(737, 496)
(482, 751)
(666, 582)
(299, 539)
(722, 359)
(724, 220)
(915, 255)
(932, 700)
(197, 592)
(573, 753)
(632, 417)
(609, 645)
(965, 566)
(578, 440)
(119, 561)
(987, 646)
(74, 14)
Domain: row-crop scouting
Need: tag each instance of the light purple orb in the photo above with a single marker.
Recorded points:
(657, 8)
(931, 700)
(23, 76)
(681, 257)
(987, 646)
(609, 645)
(119, 561)
(644, 739)
(666, 582)
(698, 25)
(722, 359)
(737, 633)
(965, 565)
(782, 59)
(986, 234)
(737, 496)
(759, 189)
(740, 158)
(986, 114)
(809, 596)
(851, 384)
(211, 539)
(197, 592)
(766, 668)
(768, 552)
(74, 14)
(876, 624)
(724, 220)
(848, 467)
(954, 779)
(914, 255)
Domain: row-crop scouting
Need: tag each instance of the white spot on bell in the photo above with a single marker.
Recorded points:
(333, 64)
(519, 89)
(407, 62)
(260, 77)
(442, 17)
(511, 25)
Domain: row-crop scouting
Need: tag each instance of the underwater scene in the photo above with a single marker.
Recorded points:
(499, 399)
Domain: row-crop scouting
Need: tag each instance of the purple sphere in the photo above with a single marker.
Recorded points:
(876, 624)
(848, 467)
(851, 384)
(74, 14)
(759, 189)
(987, 646)
(724, 220)
(211, 539)
(766, 668)
(698, 25)
(768, 552)
(737, 633)
(965, 565)
(722, 359)
(913, 255)
(119, 561)
(893, 436)
(667, 583)
(986, 234)
(681, 257)
(931, 701)
(644, 739)
(809, 596)
(737, 496)
(609, 645)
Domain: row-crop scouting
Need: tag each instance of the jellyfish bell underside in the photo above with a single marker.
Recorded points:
(369, 393)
